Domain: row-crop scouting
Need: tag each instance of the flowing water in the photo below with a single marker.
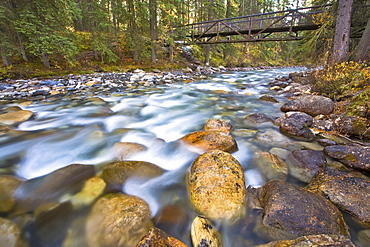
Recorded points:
(82, 130)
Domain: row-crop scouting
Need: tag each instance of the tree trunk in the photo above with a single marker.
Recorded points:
(153, 28)
(363, 46)
(45, 60)
(115, 28)
(133, 30)
(4, 56)
(208, 46)
(342, 31)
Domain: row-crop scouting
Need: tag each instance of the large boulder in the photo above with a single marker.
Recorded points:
(348, 191)
(118, 220)
(271, 166)
(289, 212)
(321, 240)
(16, 117)
(116, 174)
(357, 157)
(304, 164)
(216, 186)
(203, 141)
(310, 104)
(70, 179)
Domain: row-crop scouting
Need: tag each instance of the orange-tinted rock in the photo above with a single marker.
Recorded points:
(219, 125)
(158, 238)
(204, 233)
(203, 141)
(216, 186)
(8, 184)
(15, 117)
(118, 220)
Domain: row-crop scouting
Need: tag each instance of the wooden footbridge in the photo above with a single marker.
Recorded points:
(273, 26)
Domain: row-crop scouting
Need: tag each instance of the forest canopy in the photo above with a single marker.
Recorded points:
(85, 33)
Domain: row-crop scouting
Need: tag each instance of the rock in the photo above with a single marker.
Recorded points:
(93, 188)
(290, 212)
(271, 166)
(10, 234)
(31, 193)
(116, 174)
(157, 237)
(310, 104)
(357, 157)
(123, 150)
(294, 128)
(118, 220)
(301, 117)
(52, 221)
(348, 191)
(352, 125)
(15, 117)
(363, 238)
(322, 125)
(297, 88)
(172, 219)
(8, 184)
(187, 70)
(257, 118)
(268, 98)
(304, 164)
(273, 138)
(203, 233)
(280, 152)
(219, 125)
(326, 142)
(203, 141)
(216, 186)
(322, 240)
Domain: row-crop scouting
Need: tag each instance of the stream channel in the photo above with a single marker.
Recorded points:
(79, 131)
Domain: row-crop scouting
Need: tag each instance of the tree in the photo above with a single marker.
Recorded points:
(363, 46)
(342, 31)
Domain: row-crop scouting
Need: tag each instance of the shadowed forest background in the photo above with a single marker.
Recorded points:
(47, 37)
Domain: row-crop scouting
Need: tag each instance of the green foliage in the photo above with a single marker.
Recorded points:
(343, 81)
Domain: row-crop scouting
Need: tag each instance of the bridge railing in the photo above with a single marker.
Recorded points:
(254, 26)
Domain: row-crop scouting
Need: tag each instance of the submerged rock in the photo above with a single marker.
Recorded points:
(203, 233)
(10, 234)
(15, 117)
(157, 237)
(290, 212)
(123, 150)
(219, 125)
(321, 240)
(310, 104)
(34, 192)
(8, 184)
(357, 157)
(118, 220)
(271, 166)
(216, 186)
(304, 164)
(348, 191)
(116, 174)
(257, 118)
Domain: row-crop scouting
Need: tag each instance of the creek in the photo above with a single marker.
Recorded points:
(82, 130)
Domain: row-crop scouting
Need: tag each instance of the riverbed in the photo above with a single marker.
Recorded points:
(83, 129)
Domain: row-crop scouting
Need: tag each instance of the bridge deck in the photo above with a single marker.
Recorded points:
(280, 25)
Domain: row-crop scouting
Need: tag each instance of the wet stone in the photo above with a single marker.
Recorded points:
(348, 191)
(157, 237)
(310, 104)
(290, 212)
(219, 125)
(257, 118)
(15, 117)
(304, 164)
(357, 157)
(116, 174)
(118, 220)
(271, 166)
(8, 184)
(34, 192)
(204, 233)
(123, 150)
(10, 234)
(216, 186)
(322, 240)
